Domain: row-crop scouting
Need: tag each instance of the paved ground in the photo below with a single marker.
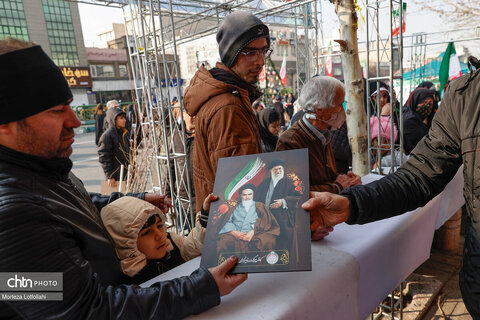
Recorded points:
(85, 161)
(444, 266)
(435, 289)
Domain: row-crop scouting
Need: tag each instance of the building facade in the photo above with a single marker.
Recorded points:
(110, 74)
(55, 25)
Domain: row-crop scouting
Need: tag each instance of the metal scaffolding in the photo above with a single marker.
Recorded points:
(154, 30)
(384, 54)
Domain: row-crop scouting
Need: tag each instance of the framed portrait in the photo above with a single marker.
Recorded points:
(258, 216)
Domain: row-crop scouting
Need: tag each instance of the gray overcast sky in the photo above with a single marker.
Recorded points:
(94, 18)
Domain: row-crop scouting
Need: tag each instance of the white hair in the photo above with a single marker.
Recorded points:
(111, 104)
(319, 93)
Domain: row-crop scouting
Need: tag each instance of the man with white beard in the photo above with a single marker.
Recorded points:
(250, 226)
(278, 194)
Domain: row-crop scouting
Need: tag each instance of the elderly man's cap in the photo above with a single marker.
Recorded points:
(236, 31)
(276, 162)
(30, 83)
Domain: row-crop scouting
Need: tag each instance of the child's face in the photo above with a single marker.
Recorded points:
(152, 240)
(120, 121)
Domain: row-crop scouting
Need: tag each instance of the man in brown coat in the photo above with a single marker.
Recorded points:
(221, 98)
(322, 100)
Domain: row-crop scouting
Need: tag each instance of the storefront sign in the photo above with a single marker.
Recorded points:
(77, 77)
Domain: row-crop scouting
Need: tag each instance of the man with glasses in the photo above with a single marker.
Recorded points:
(221, 98)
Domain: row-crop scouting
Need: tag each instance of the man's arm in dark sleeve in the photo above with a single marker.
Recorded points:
(101, 200)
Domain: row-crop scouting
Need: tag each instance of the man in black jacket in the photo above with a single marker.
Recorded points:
(49, 222)
(453, 139)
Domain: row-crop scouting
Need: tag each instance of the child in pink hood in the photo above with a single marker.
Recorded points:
(382, 142)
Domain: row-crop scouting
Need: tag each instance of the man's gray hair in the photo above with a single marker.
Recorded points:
(319, 93)
(111, 104)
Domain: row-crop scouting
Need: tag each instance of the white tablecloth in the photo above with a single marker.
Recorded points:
(354, 268)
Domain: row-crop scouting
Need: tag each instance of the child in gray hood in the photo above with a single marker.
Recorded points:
(142, 243)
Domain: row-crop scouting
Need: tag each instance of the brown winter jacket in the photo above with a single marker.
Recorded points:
(225, 126)
(322, 169)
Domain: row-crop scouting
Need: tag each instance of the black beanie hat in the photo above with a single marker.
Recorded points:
(30, 83)
(236, 31)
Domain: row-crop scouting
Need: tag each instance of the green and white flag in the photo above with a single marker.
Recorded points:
(449, 68)
(253, 173)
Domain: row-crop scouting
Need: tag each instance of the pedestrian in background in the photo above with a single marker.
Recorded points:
(418, 113)
(99, 116)
(269, 122)
(114, 146)
(111, 104)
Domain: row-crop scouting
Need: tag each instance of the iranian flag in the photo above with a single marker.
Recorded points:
(449, 68)
(283, 69)
(396, 14)
(252, 173)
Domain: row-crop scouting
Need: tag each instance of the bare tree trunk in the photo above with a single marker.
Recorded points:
(352, 73)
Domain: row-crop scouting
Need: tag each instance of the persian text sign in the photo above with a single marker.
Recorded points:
(77, 77)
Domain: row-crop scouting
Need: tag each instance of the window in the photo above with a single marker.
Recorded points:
(102, 70)
(12, 19)
(60, 32)
(122, 70)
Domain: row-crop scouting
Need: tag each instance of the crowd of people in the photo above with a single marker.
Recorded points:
(106, 245)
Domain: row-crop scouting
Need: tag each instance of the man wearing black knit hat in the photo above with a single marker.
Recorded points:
(221, 98)
(49, 223)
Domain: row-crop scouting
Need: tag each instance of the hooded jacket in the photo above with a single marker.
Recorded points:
(114, 146)
(124, 219)
(225, 126)
(49, 223)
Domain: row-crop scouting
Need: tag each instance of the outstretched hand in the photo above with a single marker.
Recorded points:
(227, 282)
(326, 209)
(160, 201)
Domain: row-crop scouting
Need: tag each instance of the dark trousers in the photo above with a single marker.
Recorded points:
(470, 273)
